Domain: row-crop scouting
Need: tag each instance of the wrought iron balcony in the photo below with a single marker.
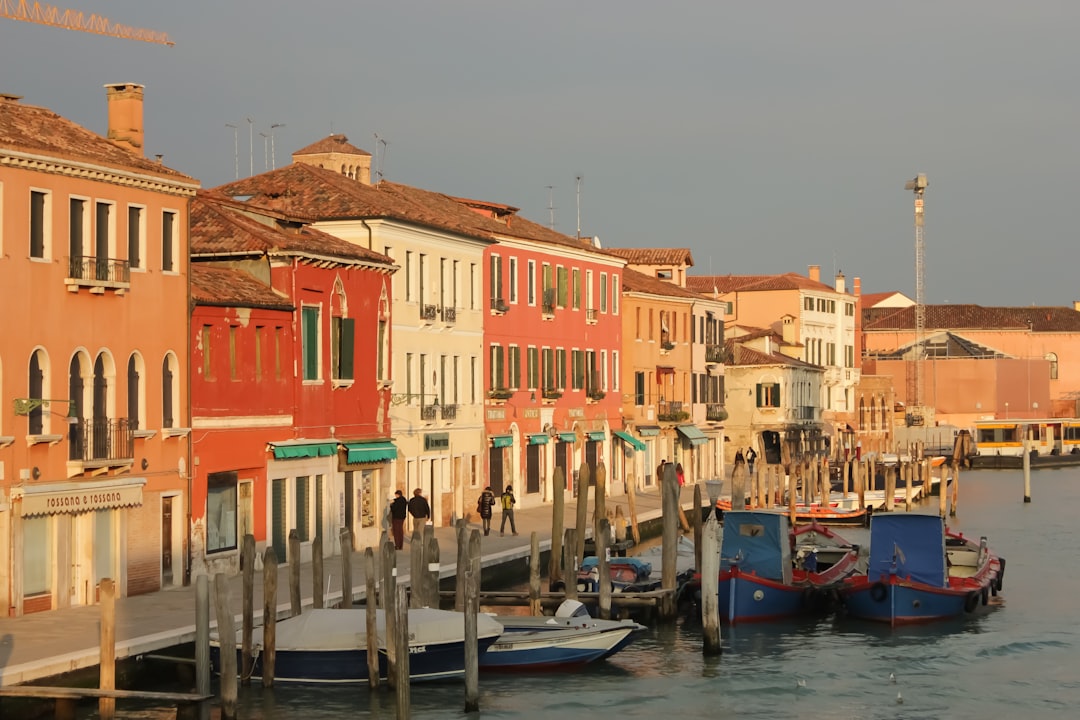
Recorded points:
(552, 393)
(595, 394)
(671, 411)
(715, 412)
(500, 393)
(499, 305)
(805, 412)
(449, 314)
(429, 312)
(427, 412)
(449, 412)
(101, 440)
(714, 353)
(107, 271)
(667, 346)
(591, 315)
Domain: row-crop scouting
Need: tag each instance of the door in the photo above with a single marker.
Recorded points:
(278, 532)
(245, 522)
(495, 468)
(81, 554)
(166, 541)
(590, 460)
(562, 452)
(532, 468)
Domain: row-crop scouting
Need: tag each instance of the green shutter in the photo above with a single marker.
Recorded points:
(310, 319)
(577, 289)
(302, 508)
(562, 287)
(759, 395)
(776, 395)
(348, 334)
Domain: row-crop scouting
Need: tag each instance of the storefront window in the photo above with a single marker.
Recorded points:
(221, 512)
(37, 556)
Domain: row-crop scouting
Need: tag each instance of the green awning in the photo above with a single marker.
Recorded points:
(629, 439)
(597, 436)
(648, 430)
(568, 437)
(502, 441)
(538, 439)
(691, 433)
(295, 451)
(369, 452)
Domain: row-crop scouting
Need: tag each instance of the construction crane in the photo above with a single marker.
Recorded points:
(52, 16)
(915, 378)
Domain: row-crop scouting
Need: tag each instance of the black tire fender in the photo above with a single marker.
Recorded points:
(1000, 579)
(879, 591)
(971, 601)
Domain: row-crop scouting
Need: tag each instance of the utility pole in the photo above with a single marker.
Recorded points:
(915, 380)
(251, 146)
(273, 156)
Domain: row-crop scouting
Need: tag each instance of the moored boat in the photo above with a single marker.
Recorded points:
(569, 638)
(920, 571)
(330, 646)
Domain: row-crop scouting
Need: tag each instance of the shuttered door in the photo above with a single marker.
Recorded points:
(532, 468)
(277, 518)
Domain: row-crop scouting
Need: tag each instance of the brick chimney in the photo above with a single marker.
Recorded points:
(125, 102)
(856, 287)
(815, 273)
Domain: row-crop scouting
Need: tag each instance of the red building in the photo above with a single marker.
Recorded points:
(290, 360)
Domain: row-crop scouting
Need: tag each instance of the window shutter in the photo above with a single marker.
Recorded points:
(348, 334)
(759, 395)
(311, 339)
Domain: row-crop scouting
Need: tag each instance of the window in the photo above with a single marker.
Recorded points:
(615, 370)
(37, 556)
(1052, 358)
(547, 283)
(207, 357)
(531, 280)
(577, 289)
(136, 237)
(768, 395)
(472, 379)
(380, 360)
(37, 385)
(277, 353)
(260, 332)
(830, 354)
(514, 362)
(532, 372)
(168, 241)
(442, 379)
(849, 356)
(562, 286)
(496, 279)
(170, 390)
(549, 369)
(603, 292)
(408, 276)
(457, 370)
(472, 286)
(849, 309)
(421, 278)
(589, 301)
(513, 280)
(498, 374)
(560, 368)
(615, 290)
(232, 352)
(577, 369)
(77, 232)
(39, 223)
(135, 397)
(408, 378)
(663, 274)
(103, 240)
(221, 510)
(639, 388)
(342, 346)
(310, 326)
(454, 283)
(808, 303)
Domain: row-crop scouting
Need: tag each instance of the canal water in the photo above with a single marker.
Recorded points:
(1021, 659)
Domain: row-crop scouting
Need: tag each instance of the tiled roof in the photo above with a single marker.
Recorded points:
(869, 300)
(655, 256)
(331, 144)
(634, 281)
(220, 227)
(754, 283)
(975, 317)
(943, 345)
(737, 354)
(37, 130)
(227, 287)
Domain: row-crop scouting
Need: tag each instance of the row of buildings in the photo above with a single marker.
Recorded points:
(183, 366)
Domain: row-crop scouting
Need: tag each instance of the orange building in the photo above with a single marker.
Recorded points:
(93, 358)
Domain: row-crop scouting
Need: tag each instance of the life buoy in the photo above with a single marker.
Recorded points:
(879, 591)
(971, 602)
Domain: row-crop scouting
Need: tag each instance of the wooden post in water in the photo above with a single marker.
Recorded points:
(372, 638)
(472, 609)
(890, 488)
(269, 643)
(570, 563)
(388, 600)
(431, 573)
(247, 618)
(416, 566)
(846, 470)
(620, 525)
(534, 574)
(582, 511)
(1027, 470)
(955, 490)
(317, 572)
(670, 500)
(909, 472)
(631, 503)
(697, 524)
(202, 643)
(865, 476)
(943, 489)
(463, 535)
(345, 538)
(401, 643)
(603, 557)
(792, 497)
(294, 572)
(738, 487)
(107, 662)
(558, 522)
(599, 501)
(710, 581)
(226, 645)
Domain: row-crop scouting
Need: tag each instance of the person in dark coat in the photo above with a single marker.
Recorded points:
(419, 508)
(484, 506)
(399, 510)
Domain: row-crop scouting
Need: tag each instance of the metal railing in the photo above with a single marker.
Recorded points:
(429, 312)
(591, 314)
(671, 411)
(103, 439)
(107, 270)
(449, 412)
(427, 412)
(715, 412)
(449, 314)
(714, 353)
(499, 305)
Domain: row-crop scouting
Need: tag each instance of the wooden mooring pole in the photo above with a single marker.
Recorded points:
(226, 646)
(534, 575)
(472, 609)
(603, 553)
(294, 572)
(370, 605)
(202, 643)
(107, 662)
(317, 589)
(1027, 470)
(345, 537)
(269, 651)
(247, 618)
(697, 524)
(670, 539)
(710, 586)
(558, 521)
(400, 640)
(388, 600)
(582, 511)
(570, 564)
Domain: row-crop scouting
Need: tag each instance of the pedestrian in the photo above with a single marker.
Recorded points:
(399, 509)
(751, 456)
(679, 474)
(660, 471)
(508, 502)
(419, 508)
(484, 506)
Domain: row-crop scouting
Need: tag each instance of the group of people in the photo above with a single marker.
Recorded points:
(486, 502)
(417, 506)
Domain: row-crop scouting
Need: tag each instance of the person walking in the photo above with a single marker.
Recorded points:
(484, 506)
(508, 502)
(399, 510)
(419, 508)
(751, 456)
(679, 474)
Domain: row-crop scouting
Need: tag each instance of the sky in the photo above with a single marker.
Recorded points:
(764, 136)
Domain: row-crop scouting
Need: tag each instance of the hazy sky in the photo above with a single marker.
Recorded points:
(765, 136)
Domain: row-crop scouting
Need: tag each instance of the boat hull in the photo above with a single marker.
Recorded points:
(747, 598)
(897, 602)
(532, 646)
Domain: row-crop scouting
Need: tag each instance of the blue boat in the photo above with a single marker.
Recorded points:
(759, 578)
(570, 638)
(919, 572)
(330, 646)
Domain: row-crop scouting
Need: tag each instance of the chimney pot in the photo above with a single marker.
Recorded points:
(125, 101)
(815, 273)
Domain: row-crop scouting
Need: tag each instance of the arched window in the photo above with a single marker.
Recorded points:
(1052, 357)
(873, 414)
(77, 369)
(169, 372)
(136, 394)
(862, 413)
(37, 385)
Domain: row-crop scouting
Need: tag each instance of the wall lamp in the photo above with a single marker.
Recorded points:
(25, 406)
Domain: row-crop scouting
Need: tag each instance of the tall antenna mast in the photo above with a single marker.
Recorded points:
(578, 182)
(379, 157)
(551, 206)
(915, 380)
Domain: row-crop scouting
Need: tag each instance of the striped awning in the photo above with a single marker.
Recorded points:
(693, 434)
(629, 439)
(502, 441)
(298, 450)
(369, 452)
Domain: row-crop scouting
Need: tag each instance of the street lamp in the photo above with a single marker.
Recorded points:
(273, 157)
(251, 145)
(25, 406)
(1006, 410)
(236, 148)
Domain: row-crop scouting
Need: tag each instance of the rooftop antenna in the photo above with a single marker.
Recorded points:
(578, 182)
(266, 150)
(379, 157)
(251, 145)
(236, 148)
(551, 207)
(273, 154)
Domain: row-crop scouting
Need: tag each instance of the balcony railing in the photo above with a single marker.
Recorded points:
(449, 314)
(667, 346)
(499, 305)
(714, 353)
(671, 412)
(591, 315)
(595, 394)
(552, 393)
(548, 301)
(715, 412)
(429, 312)
(449, 412)
(104, 270)
(91, 440)
(805, 412)
(500, 393)
(427, 412)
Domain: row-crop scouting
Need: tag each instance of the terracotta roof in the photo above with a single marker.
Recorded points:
(37, 130)
(940, 346)
(655, 256)
(754, 283)
(331, 144)
(871, 299)
(634, 281)
(227, 287)
(737, 354)
(220, 227)
(975, 317)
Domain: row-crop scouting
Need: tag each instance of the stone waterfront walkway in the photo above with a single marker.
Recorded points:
(45, 644)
